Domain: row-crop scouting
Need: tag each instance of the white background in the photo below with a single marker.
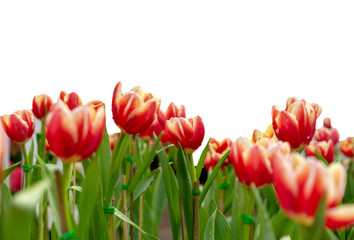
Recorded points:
(227, 61)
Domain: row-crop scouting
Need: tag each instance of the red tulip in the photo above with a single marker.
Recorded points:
(300, 185)
(113, 139)
(155, 128)
(172, 111)
(2, 149)
(41, 105)
(19, 126)
(134, 111)
(325, 149)
(74, 135)
(72, 100)
(258, 135)
(297, 123)
(16, 179)
(327, 132)
(216, 151)
(346, 147)
(188, 132)
(251, 162)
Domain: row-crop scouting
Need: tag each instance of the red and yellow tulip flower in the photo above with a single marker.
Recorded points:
(74, 135)
(325, 149)
(216, 151)
(2, 149)
(188, 132)
(113, 139)
(41, 105)
(155, 128)
(19, 126)
(327, 132)
(346, 147)
(297, 123)
(72, 100)
(300, 185)
(269, 133)
(251, 162)
(172, 111)
(134, 111)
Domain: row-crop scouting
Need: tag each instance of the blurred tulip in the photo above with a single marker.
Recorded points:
(216, 151)
(172, 111)
(269, 133)
(251, 162)
(297, 123)
(2, 149)
(188, 132)
(134, 111)
(155, 128)
(41, 105)
(72, 100)
(74, 135)
(113, 139)
(327, 132)
(325, 149)
(300, 185)
(346, 147)
(19, 126)
(16, 179)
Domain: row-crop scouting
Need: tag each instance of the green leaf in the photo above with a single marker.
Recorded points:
(351, 234)
(145, 183)
(5, 173)
(76, 188)
(54, 233)
(329, 235)
(212, 177)
(202, 159)
(185, 189)
(158, 202)
(217, 227)
(270, 200)
(127, 220)
(319, 157)
(103, 154)
(172, 194)
(88, 198)
(349, 190)
(265, 228)
(281, 224)
(203, 220)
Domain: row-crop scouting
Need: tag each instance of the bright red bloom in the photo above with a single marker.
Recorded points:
(346, 147)
(74, 135)
(297, 123)
(72, 100)
(300, 185)
(172, 111)
(16, 179)
(325, 149)
(251, 162)
(134, 111)
(19, 126)
(41, 105)
(327, 132)
(2, 149)
(155, 128)
(216, 151)
(188, 132)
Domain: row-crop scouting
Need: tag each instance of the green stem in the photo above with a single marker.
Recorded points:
(248, 210)
(66, 179)
(25, 155)
(193, 172)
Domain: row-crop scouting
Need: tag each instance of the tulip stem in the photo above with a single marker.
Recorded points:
(25, 156)
(125, 209)
(74, 192)
(66, 179)
(193, 172)
(196, 211)
(43, 139)
(141, 203)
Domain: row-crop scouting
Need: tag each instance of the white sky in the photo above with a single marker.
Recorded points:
(227, 61)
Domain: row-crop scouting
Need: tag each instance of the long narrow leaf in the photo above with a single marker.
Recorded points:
(200, 165)
(5, 173)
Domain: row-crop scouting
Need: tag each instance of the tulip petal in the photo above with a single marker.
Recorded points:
(340, 217)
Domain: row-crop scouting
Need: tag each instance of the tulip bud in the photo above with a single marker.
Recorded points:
(327, 133)
(41, 105)
(16, 179)
(325, 149)
(72, 100)
(134, 111)
(297, 123)
(188, 132)
(346, 147)
(216, 151)
(19, 126)
(172, 111)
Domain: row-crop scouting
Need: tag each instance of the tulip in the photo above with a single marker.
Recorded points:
(134, 111)
(297, 123)
(346, 147)
(74, 135)
(72, 100)
(41, 105)
(325, 149)
(269, 133)
(251, 162)
(172, 111)
(19, 126)
(16, 179)
(300, 185)
(155, 128)
(327, 132)
(2, 149)
(187, 132)
(216, 151)
(113, 139)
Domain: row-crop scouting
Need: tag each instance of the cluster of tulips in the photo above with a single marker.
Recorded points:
(290, 182)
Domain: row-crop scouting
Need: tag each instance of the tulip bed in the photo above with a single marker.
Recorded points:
(79, 182)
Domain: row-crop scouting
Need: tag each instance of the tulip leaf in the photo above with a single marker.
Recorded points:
(329, 235)
(320, 157)
(217, 227)
(212, 177)
(281, 224)
(202, 159)
(5, 173)
(145, 183)
(351, 234)
(172, 194)
(76, 188)
(127, 220)
(263, 222)
(185, 188)
(270, 200)
(103, 154)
